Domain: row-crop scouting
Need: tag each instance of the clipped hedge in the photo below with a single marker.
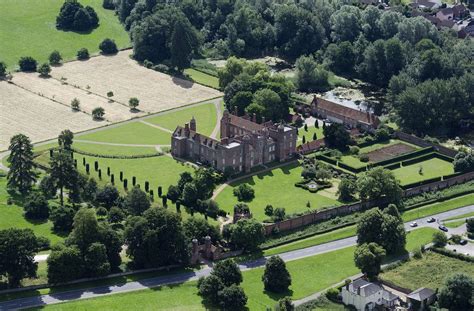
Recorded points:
(419, 159)
(393, 166)
(326, 159)
(111, 156)
(351, 168)
(405, 156)
(452, 175)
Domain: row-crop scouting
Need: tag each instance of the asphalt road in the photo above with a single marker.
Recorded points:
(36, 301)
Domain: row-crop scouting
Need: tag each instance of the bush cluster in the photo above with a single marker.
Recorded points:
(74, 16)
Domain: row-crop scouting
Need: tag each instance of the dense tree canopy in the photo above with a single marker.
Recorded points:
(21, 175)
(74, 16)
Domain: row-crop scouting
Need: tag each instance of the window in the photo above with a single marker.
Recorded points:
(233, 162)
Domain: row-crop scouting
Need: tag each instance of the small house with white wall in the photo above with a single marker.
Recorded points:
(365, 295)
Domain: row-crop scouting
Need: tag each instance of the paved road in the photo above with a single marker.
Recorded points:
(190, 276)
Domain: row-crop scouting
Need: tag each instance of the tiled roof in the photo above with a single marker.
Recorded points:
(245, 124)
(364, 117)
(421, 294)
(204, 140)
(310, 146)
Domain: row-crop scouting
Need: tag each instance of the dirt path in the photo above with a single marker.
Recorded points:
(217, 103)
(156, 126)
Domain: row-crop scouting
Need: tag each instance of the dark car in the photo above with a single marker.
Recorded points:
(443, 228)
(463, 242)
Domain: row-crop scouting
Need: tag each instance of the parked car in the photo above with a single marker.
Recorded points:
(463, 242)
(431, 219)
(443, 228)
(414, 224)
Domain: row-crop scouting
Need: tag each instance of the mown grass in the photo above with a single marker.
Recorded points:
(455, 223)
(136, 133)
(28, 28)
(109, 150)
(204, 114)
(467, 215)
(277, 187)
(308, 135)
(202, 78)
(12, 217)
(424, 170)
(430, 271)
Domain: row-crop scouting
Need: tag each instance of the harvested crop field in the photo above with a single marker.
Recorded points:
(36, 116)
(65, 93)
(389, 152)
(126, 78)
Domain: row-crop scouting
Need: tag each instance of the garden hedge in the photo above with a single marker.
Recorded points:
(421, 183)
(450, 253)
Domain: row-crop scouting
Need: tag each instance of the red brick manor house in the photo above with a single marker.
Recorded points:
(244, 143)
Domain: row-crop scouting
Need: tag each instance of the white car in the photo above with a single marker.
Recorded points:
(414, 224)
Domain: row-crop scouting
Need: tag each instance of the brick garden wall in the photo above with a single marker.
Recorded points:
(321, 215)
(423, 143)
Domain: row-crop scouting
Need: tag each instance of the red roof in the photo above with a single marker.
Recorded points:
(245, 124)
(310, 146)
(343, 111)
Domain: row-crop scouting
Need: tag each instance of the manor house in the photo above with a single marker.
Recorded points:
(244, 143)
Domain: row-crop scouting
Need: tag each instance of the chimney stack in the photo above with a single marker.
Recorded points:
(186, 130)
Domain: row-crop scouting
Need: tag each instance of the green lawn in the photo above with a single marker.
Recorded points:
(430, 271)
(28, 28)
(202, 78)
(455, 223)
(12, 217)
(437, 208)
(309, 275)
(418, 237)
(158, 171)
(467, 215)
(431, 168)
(309, 133)
(114, 150)
(205, 116)
(277, 187)
(130, 133)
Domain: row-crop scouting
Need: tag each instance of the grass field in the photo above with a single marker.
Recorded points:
(205, 115)
(309, 275)
(277, 187)
(431, 168)
(309, 133)
(12, 217)
(158, 171)
(202, 78)
(455, 223)
(430, 271)
(29, 29)
(130, 133)
(467, 215)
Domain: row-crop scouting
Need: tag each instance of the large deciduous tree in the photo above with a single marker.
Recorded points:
(17, 248)
(276, 277)
(21, 175)
(368, 258)
(379, 183)
(457, 293)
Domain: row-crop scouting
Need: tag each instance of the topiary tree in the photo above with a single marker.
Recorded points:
(440, 239)
(244, 193)
(55, 58)
(108, 46)
(276, 277)
(98, 113)
(36, 206)
(83, 54)
(27, 64)
(133, 103)
(44, 70)
(76, 104)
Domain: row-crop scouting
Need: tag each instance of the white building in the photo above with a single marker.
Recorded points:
(364, 295)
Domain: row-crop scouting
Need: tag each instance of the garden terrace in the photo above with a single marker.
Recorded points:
(277, 188)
